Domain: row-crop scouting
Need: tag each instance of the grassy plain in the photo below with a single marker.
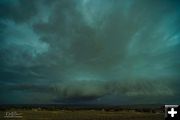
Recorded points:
(82, 115)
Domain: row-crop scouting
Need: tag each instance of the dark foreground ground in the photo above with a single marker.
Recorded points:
(79, 115)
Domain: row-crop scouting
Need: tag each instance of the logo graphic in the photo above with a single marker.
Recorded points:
(172, 112)
(12, 115)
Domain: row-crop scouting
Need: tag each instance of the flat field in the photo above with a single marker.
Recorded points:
(79, 115)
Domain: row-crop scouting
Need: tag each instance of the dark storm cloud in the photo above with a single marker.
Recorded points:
(85, 50)
(18, 10)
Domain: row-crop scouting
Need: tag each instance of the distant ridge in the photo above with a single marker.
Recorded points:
(79, 106)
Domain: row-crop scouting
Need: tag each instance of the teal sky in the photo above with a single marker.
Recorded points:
(89, 51)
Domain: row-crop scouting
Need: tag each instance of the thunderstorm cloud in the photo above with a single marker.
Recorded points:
(90, 51)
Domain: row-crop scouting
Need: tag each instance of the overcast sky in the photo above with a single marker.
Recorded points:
(90, 51)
